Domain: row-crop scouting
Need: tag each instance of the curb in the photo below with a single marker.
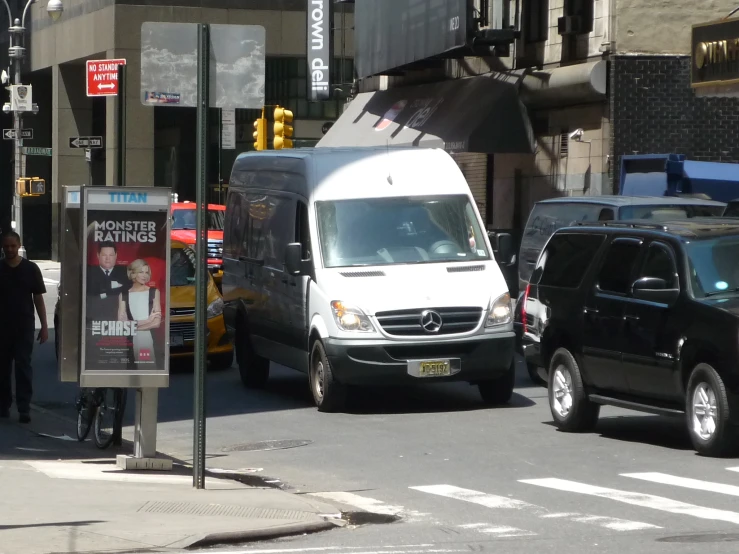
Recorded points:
(288, 530)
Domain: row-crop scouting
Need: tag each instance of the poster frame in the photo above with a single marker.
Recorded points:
(124, 378)
(70, 289)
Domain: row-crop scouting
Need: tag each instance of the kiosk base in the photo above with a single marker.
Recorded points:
(124, 461)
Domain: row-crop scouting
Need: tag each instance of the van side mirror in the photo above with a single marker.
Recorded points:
(294, 258)
(502, 244)
(654, 289)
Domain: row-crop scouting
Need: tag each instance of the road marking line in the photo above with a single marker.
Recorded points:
(475, 497)
(48, 281)
(665, 479)
(637, 499)
(494, 501)
(733, 469)
(500, 531)
(362, 502)
(352, 549)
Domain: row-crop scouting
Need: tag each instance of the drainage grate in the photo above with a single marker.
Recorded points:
(221, 510)
(266, 445)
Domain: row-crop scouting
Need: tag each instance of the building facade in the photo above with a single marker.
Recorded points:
(160, 141)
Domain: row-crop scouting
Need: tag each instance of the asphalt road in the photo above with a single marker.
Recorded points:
(446, 474)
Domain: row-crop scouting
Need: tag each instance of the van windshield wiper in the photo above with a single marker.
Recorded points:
(717, 292)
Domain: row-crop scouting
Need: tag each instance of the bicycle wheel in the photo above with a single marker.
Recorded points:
(85, 415)
(106, 417)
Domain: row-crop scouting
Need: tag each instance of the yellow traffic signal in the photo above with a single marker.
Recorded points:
(283, 129)
(260, 133)
(31, 186)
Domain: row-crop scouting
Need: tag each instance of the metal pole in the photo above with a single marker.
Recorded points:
(17, 53)
(201, 277)
(121, 152)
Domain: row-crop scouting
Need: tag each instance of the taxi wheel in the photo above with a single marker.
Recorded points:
(253, 369)
(328, 395)
(222, 361)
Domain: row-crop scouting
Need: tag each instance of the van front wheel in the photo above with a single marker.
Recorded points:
(328, 395)
(253, 369)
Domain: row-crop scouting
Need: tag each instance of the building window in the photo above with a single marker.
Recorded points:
(536, 20)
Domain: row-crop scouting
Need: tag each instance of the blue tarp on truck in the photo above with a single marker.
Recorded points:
(672, 175)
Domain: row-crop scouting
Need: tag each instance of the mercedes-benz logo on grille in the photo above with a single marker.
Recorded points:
(430, 321)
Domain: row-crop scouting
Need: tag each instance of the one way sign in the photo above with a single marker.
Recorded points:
(10, 134)
(85, 142)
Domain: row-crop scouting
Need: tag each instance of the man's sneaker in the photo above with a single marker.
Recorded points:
(24, 418)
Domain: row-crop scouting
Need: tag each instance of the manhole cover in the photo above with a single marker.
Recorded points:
(221, 510)
(266, 445)
(706, 537)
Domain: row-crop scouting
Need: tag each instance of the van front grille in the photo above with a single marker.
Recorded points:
(409, 322)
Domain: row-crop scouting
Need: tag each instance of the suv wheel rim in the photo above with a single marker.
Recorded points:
(705, 411)
(318, 379)
(562, 391)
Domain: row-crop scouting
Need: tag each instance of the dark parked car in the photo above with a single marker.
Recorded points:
(640, 315)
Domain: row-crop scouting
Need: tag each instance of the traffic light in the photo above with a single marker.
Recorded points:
(260, 133)
(283, 129)
(31, 186)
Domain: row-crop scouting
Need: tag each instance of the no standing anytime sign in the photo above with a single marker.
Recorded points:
(102, 77)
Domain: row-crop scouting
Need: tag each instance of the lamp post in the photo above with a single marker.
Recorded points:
(17, 53)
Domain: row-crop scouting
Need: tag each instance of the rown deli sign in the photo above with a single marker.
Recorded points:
(715, 53)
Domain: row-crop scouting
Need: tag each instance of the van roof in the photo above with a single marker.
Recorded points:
(364, 172)
(618, 201)
(696, 228)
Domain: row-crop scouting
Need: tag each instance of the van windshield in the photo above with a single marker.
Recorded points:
(714, 266)
(384, 231)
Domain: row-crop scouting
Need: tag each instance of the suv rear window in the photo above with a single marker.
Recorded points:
(566, 259)
(664, 212)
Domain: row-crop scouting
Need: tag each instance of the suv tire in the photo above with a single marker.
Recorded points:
(571, 409)
(498, 391)
(708, 414)
(328, 394)
(253, 369)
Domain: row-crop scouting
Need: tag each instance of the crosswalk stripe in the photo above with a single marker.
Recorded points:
(497, 530)
(362, 502)
(494, 501)
(733, 469)
(475, 497)
(665, 479)
(637, 499)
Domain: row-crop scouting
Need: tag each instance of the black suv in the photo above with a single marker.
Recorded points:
(640, 315)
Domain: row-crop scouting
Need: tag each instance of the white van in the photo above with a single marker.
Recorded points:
(363, 266)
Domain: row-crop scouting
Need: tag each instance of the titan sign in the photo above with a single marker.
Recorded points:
(715, 53)
(319, 49)
(390, 34)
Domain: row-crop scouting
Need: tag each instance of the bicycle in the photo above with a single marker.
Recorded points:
(102, 408)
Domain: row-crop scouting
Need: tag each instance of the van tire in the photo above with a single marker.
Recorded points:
(253, 369)
(533, 370)
(722, 441)
(564, 375)
(498, 391)
(328, 394)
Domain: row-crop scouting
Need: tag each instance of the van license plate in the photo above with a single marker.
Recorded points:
(176, 339)
(436, 368)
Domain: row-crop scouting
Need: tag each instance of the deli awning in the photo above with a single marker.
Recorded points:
(478, 114)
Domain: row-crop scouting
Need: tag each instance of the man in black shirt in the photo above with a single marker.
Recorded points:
(21, 288)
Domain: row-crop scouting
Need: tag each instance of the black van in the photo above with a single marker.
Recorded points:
(640, 315)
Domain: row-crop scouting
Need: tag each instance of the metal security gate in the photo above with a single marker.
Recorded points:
(474, 167)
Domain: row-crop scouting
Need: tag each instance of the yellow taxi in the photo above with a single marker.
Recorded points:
(182, 311)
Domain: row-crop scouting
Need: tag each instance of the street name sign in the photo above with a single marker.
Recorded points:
(102, 77)
(10, 134)
(85, 142)
(36, 151)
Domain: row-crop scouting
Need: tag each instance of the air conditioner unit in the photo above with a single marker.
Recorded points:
(570, 25)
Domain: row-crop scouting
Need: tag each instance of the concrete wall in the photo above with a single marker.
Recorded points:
(548, 172)
(663, 26)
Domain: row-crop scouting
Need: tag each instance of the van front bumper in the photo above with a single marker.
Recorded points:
(385, 362)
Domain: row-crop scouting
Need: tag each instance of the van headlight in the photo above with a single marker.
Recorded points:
(500, 311)
(215, 308)
(350, 318)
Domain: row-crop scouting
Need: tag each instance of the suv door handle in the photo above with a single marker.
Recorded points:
(590, 311)
(631, 318)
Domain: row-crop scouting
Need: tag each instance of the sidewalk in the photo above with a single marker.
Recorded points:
(57, 498)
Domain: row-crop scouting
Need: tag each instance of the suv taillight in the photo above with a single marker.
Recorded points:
(524, 316)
